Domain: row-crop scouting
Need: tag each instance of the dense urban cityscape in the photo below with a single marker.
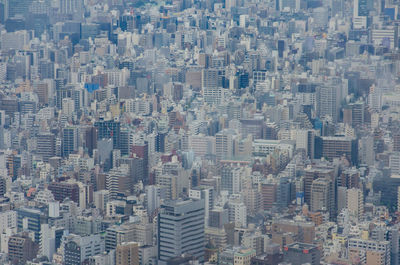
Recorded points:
(217, 132)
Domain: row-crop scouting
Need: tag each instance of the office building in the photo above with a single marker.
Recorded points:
(127, 254)
(46, 146)
(107, 129)
(69, 141)
(63, 190)
(300, 253)
(231, 179)
(321, 196)
(78, 249)
(21, 249)
(181, 230)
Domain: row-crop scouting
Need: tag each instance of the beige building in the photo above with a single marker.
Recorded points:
(127, 254)
(355, 203)
(243, 256)
(376, 257)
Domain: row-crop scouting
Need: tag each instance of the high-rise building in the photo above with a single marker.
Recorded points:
(206, 194)
(237, 212)
(355, 203)
(18, 7)
(118, 182)
(30, 219)
(3, 186)
(90, 139)
(224, 144)
(305, 139)
(218, 217)
(108, 129)
(396, 141)
(268, 194)
(142, 151)
(360, 14)
(322, 198)
(46, 146)
(336, 147)
(8, 219)
(231, 179)
(153, 197)
(127, 254)
(62, 190)
(328, 101)
(209, 78)
(361, 8)
(370, 251)
(78, 249)
(284, 192)
(349, 178)
(181, 230)
(312, 173)
(69, 141)
(21, 249)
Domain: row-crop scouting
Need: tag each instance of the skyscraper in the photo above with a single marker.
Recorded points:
(355, 203)
(360, 8)
(46, 145)
(108, 129)
(69, 141)
(360, 13)
(181, 230)
(321, 195)
(18, 7)
(230, 179)
(328, 101)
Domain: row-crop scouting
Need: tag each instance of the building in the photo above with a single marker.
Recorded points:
(218, 217)
(237, 211)
(8, 219)
(360, 14)
(69, 141)
(21, 249)
(127, 254)
(62, 190)
(153, 196)
(336, 147)
(322, 198)
(224, 144)
(355, 203)
(312, 173)
(328, 101)
(181, 229)
(369, 251)
(304, 232)
(108, 129)
(142, 233)
(244, 256)
(30, 219)
(78, 249)
(300, 253)
(268, 195)
(206, 194)
(46, 146)
(231, 179)
(142, 151)
(386, 37)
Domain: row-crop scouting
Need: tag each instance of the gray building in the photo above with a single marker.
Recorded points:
(301, 253)
(181, 230)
